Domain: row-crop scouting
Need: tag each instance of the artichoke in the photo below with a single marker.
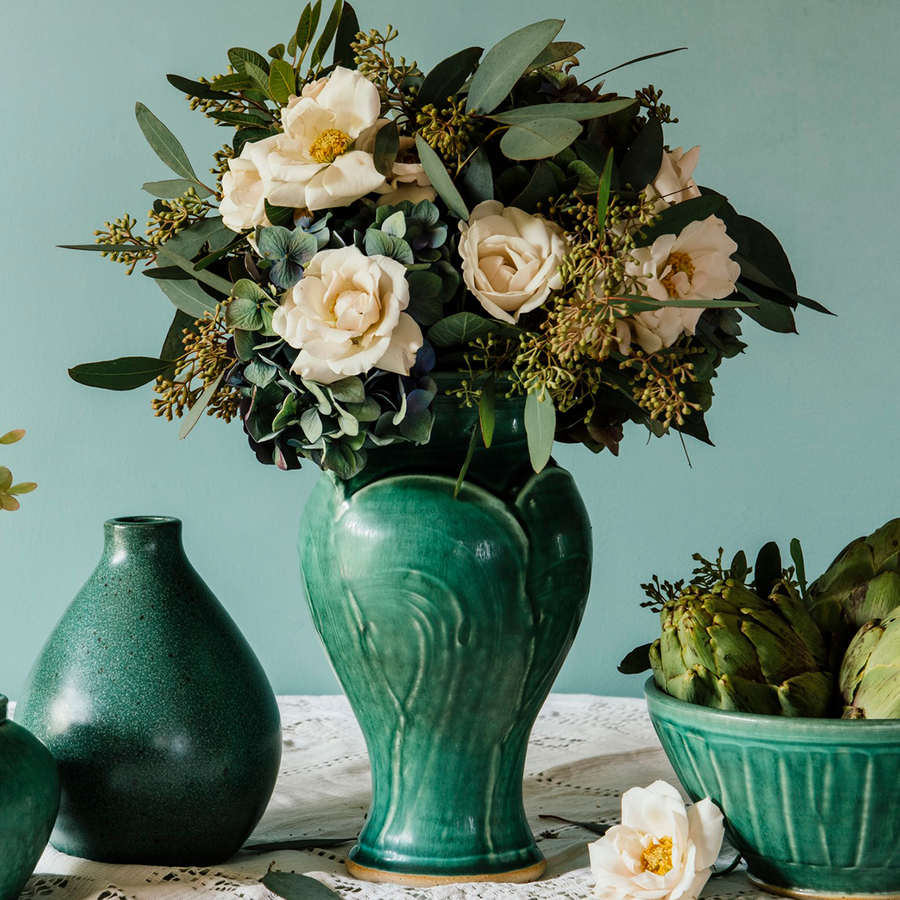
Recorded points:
(870, 673)
(726, 647)
(862, 584)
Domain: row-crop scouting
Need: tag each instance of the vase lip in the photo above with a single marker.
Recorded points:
(142, 521)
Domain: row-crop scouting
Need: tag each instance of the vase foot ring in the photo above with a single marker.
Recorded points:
(516, 876)
(804, 894)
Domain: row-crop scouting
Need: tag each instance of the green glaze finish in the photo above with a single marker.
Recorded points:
(29, 800)
(161, 719)
(446, 621)
(810, 803)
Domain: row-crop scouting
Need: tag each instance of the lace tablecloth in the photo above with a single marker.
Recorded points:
(584, 752)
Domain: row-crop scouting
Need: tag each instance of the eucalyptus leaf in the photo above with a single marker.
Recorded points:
(478, 181)
(506, 62)
(539, 138)
(174, 187)
(459, 329)
(487, 409)
(555, 52)
(470, 452)
(187, 295)
(210, 279)
(637, 59)
(194, 413)
(193, 88)
(173, 345)
(123, 374)
(189, 241)
(441, 180)
(539, 189)
(228, 83)
(540, 427)
(604, 188)
(448, 76)
(165, 145)
(576, 111)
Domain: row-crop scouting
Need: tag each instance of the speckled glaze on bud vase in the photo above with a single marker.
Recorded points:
(161, 719)
(446, 621)
(29, 800)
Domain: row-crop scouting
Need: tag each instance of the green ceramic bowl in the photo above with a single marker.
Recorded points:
(812, 804)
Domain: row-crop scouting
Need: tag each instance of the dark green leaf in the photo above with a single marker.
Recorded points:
(448, 76)
(773, 316)
(244, 344)
(539, 189)
(240, 118)
(244, 314)
(799, 564)
(641, 163)
(97, 248)
(123, 374)
(487, 410)
(773, 291)
(575, 111)
(424, 297)
(348, 390)
(604, 188)
(280, 215)
(194, 413)
(555, 52)
(637, 661)
(677, 217)
(193, 88)
(768, 255)
(767, 571)
(237, 56)
(277, 52)
(174, 187)
(539, 138)
(540, 427)
(460, 329)
(165, 145)
(387, 146)
(173, 345)
(738, 567)
(190, 241)
(594, 827)
(248, 136)
(506, 62)
(637, 59)
(348, 28)
(282, 80)
(478, 181)
(470, 452)
(239, 81)
(441, 180)
(188, 296)
(328, 33)
(306, 28)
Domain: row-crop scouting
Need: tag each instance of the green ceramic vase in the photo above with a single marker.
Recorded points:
(446, 621)
(29, 800)
(162, 722)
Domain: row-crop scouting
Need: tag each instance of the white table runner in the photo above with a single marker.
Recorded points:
(584, 752)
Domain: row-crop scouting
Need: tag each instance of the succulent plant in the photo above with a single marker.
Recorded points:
(863, 583)
(726, 647)
(870, 673)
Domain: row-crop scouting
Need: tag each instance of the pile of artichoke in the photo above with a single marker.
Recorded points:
(774, 647)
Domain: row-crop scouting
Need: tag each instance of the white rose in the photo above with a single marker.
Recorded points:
(693, 265)
(244, 187)
(314, 163)
(674, 181)
(510, 259)
(345, 316)
(661, 851)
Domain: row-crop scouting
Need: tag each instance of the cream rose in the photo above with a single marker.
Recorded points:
(314, 163)
(345, 316)
(661, 851)
(693, 265)
(244, 187)
(510, 259)
(674, 182)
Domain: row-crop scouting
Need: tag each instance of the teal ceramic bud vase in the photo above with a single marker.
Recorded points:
(29, 800)
(161, 719)
(446, 621)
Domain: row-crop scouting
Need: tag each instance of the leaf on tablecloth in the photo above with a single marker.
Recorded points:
(596, 827)
(292, 886)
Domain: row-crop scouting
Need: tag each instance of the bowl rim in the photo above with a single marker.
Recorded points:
(787, 725)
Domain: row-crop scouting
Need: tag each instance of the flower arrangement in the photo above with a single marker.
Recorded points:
(498, 216)
(776, 645)
(9, 492)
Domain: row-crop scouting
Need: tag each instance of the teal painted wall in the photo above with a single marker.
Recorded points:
(796, 109)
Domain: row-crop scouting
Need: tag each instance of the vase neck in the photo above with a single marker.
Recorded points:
(143, 535)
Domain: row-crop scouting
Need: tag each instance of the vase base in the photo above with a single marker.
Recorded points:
(806, 894)
(381, 876)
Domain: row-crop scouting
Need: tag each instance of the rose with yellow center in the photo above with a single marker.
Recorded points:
(318, 162)
(693, 265)
(661, 851)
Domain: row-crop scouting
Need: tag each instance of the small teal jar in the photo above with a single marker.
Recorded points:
(811, 804)
(446, 620)
(161, 719)
(29, 801)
